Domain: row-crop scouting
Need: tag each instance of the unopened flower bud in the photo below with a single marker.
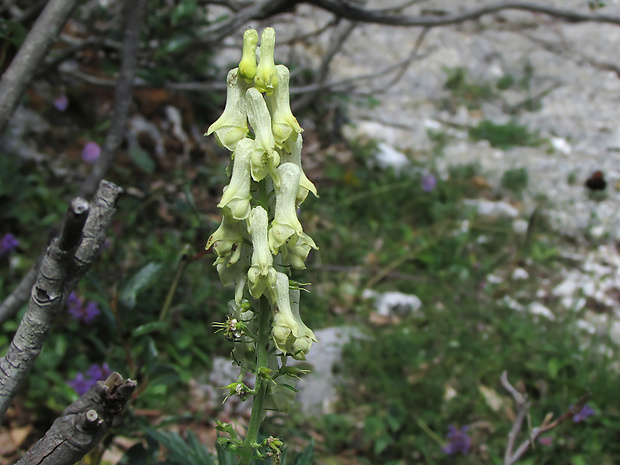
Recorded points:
(247, 65)
(266, 79)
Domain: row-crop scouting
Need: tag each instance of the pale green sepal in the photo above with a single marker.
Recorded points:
(305, 185)
(247, 65)
(232, 125)
(261, 274)
(226, 240)
(266, 79)
(296, 250)
(305, 337)
(285, 329)
(284, 124)
(285, 222)
(232, 270)
(237, 195)
(264, 159)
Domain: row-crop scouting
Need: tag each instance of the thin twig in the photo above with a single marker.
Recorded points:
(522, 410)
(30, 55)
(353, 13)
(122, 97)
(339, 37)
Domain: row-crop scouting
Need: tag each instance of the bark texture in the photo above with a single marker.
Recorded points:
(82, 425)
(59, 273)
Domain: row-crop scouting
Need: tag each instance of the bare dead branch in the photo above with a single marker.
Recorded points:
(522, 410)
(353, 13)
(83, 423)
(122, 97)
(58, 275)
(339, 37)
(36, 45)
(11, 305)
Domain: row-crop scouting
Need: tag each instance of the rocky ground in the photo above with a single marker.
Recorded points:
(570, 66)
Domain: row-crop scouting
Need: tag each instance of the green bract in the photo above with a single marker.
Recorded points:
(260, 238)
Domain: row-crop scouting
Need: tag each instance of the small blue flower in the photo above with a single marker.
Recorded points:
(61, 102)
(429, 182)
(91, 152)
(458, 441)
(8, 244)
(80, 312)
(583, 414)
(81, 384)
(99, 372)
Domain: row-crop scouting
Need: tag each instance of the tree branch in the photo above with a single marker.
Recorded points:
(522, 410)
(122, 97)
(353, 13)
(36, 45)
(60, 271)
(82, 425)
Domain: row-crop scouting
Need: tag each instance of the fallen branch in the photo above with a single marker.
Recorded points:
(82, 425)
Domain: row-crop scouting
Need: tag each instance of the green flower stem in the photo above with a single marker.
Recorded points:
(262, 357)
(185, 259)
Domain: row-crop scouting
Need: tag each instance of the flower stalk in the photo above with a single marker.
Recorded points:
(261, 238)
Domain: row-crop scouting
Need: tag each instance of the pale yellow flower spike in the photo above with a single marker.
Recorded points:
(266, 79)
(247, 65)
(232, 125)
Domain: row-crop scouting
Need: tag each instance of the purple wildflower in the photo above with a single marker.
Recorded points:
(80, 312)
(429, 182)
(583, 414)
(99, 372)
(459, 441)
(8, 243)
(91, 152)
(61, 102)
(80, 384)
(546, 440)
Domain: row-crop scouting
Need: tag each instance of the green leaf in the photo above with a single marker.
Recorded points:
(138, 282)
(141, 159)
(382, 443)
(225, 457)
(148, 328)
(13, 32)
